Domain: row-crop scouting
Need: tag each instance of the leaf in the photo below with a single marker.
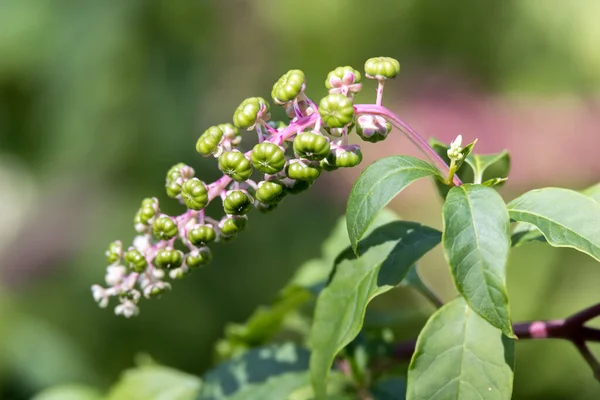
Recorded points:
(593, 192)
(386, 256)
(566, 218)
(70, 392)
(377, 186)
(255, 366)
(476, 244)
(460, 356)
(154, 382)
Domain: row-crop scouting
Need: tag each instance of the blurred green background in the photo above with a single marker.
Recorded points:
(99, 98)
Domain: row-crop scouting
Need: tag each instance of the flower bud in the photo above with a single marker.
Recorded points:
(268, 158)
(250, 112)
(372, 128)
(311, 146)
(288, 87)
(194, 194)
(164, 228)
(235, 165)
(168, 259)
(343, 79)
(336, 110)
(382, 68)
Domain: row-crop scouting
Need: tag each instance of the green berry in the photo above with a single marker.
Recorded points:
(382, 68)
(302, 171)
(237, 202)
(173, 189)
(209, 141)
(235, 165)
(299, 186)
(372, 128)
(336, 110)
(176, 175)
(164, 228)
(288, 87)
(201, 234)
(194, 194)
(343, 77)
(230, 132)
(148, 210)
(268, 158)
(168, 258)
(347, 157)
(266, 208)
(250, 111)
(114, 253)
(232, 225)
(311, 146)
(135, 260)
(270, 192)
(328, 165)
(199, 257)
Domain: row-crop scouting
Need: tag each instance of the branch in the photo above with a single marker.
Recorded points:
(572, 329)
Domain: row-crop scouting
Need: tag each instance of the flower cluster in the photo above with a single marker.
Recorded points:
(287, 160)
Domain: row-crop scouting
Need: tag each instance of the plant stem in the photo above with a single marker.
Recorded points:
(411, 134)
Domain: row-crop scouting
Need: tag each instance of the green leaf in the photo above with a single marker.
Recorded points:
(154, 382)
(460, 356)
(386, 256)
(69, 392)
(255, 366)
(377, 186)
(566, 218)
(476, 244)
(593, 192)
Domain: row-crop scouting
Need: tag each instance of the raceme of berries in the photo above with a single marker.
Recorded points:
(288, 159)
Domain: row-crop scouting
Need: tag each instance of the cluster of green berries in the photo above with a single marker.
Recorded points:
(288, 159)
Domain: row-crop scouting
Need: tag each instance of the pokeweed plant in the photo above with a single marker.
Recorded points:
(312, 341)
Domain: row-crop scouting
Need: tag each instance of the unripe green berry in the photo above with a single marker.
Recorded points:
(382, 68)
(237, 202)
(268, 158)
(135, 260)
(176, 175)
(114, 253)
(148, 210)
(299, 186)
(235, 165)
(250, 111)
(266, 208)
(288, 87)
(199, 257)
(347, 157)
(311, 146)
(208, 142)
(270, 192)
(302, 171)
(164, 228)
(336, 110)
(168, 258)
(201, 234)
(194, 194)
(232, 225)
(372, 128)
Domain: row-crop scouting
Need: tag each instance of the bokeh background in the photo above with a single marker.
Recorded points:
(99, 98)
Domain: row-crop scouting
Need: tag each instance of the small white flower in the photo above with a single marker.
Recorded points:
(372, 124)
(115, 274)
(142, 243)
(100, 295)
(158, 273)
(127, 308)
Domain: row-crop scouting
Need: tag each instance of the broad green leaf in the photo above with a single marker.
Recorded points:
(460, 356)
(593, 192)
(70, 392)
(386, 256)
(154, 382)
(566, 218)
(476, 244)
(377, 186)
(255, 366)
